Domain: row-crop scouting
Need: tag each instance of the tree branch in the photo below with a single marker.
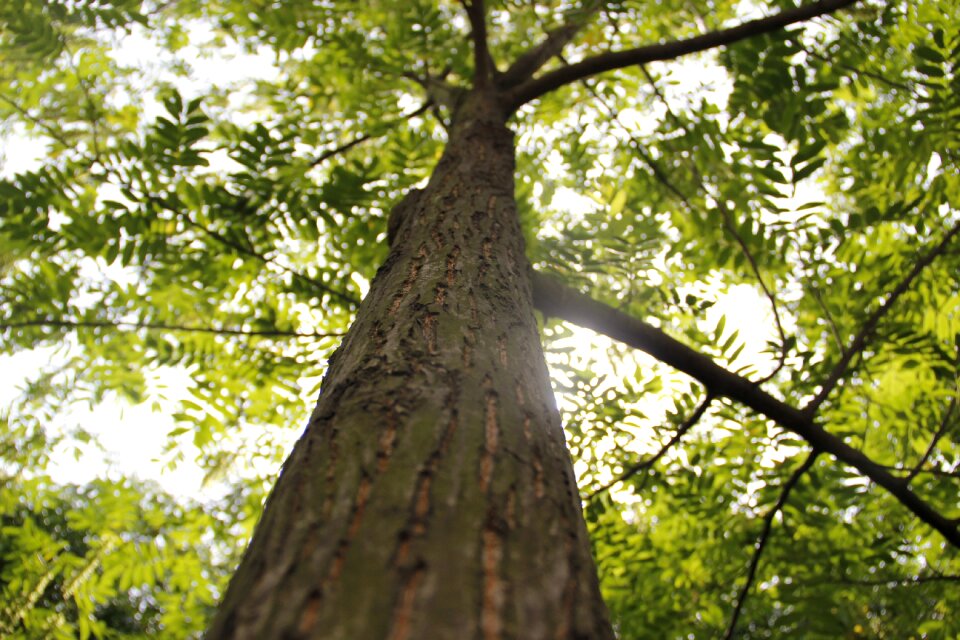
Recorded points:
(866, 331)
(829, 317)
(558, 300)
(156, 326)
(939, 473)
(346, 146)
(761, 542)
(941, 431)
(537, 87)
(836, 64)
(633, 470)
(88, 98)
(248, 251)
(725, 213)
(910, 581)
(532, 60)
(37, 122)
(772, 299)
(264, 259)
(483, 64)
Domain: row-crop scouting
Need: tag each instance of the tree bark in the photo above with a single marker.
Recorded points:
(432, 494)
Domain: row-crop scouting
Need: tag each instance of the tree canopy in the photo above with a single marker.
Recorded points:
(755, 202)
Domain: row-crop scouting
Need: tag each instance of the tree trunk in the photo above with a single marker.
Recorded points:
(432, 494)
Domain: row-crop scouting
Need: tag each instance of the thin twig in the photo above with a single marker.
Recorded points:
(859, 342)
(761, 542)
(941, 431)
(911, 581)
(91, 107)
(648, 159)
(663, 99)
(829, 316)
(834, 64)
(37, 122)
(662, 177)
(559, 301)
(940, 473)
(259, 256)
(728, 223)
(483, 64)
(681, 431)
(387, 127)
(156, 326)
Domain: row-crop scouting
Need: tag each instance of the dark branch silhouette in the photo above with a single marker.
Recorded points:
(51, 131)
(767, 292)
(382, 131)
(761, 542)
(944, 427)
(247, 251)
(896, 581)
(930, 471)
(860, 341)
(536, 87)
(532, 60)
(159, 326)
(681, 431)
(557, 300)
(484, 66)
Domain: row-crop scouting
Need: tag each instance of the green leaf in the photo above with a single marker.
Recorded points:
(807, 171)
(807, 151)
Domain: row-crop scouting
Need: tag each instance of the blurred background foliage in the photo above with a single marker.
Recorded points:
(200, 189)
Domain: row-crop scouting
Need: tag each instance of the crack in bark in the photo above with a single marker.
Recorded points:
(330, 477)
(569, 592)
(309, 544)
(486, 259)
(387, 440)
(416, 527)
(491, 614)
(469, 339)
(310, 613)
(429, 324)
(491, 205)
(491, 434)
(403, 612)
(440, 295)
(359, 506)
(487, 249)
(453, 259)
(535, 461)
(413, 271)
(538, 489)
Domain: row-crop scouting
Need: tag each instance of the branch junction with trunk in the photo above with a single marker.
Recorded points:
(436, 423)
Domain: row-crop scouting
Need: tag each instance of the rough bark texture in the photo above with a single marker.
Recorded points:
(432, 495)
